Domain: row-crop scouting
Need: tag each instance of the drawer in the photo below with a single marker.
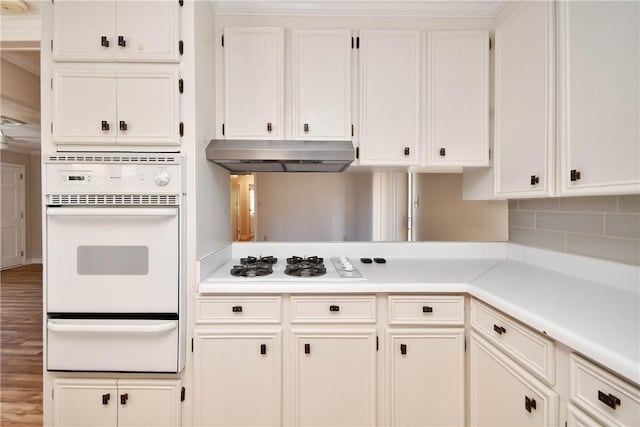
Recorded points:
(577, 418)
(602, 394)
(328, 309)
(426, 310)
(530, 348)
(238, 309)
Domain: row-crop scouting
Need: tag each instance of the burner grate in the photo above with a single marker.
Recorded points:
(305, 267)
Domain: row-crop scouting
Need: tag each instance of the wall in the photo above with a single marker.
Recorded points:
(33, 200)
(605, 227)
(313, 206)
(443, 215)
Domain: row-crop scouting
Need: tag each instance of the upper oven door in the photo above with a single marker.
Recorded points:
(112, 260)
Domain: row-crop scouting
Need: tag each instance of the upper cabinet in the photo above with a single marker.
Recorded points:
(458, 98)
(524, 102)
(253, 82)
(120, 31)
(389, 97)
(599, 97)
(321, 84)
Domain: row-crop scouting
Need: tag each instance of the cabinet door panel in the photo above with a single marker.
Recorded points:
(334, 382)
(78, 28)
(458, 98)
(150, 30)
(425, 377)
(81, 102)
(149, 403)
(84, 402)
(148, 105)
(236, 384)
(389, 97)
(321, 84)
(254, 82)
(524, 131)
(599, 46)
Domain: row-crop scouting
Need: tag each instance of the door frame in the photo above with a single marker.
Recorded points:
(23, 236)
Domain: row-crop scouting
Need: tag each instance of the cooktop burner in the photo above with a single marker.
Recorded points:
(263, 259)
(305, 267)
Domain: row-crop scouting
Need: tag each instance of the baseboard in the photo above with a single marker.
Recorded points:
(34, 260)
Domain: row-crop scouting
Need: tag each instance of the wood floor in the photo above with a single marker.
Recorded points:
(21, 346)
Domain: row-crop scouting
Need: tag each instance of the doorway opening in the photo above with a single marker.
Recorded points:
(243, 208)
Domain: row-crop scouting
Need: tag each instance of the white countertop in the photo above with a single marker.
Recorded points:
(599, 319)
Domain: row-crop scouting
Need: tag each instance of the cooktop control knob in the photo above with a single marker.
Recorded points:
(162, 178)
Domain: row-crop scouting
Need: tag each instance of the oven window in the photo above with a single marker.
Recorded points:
(113, 260)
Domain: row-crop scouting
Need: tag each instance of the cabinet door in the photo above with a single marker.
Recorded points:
(144, 403)
(425, 377)
(84, 108)
(239, 378)
(321, 65)
(150, 31)
(599, 88)
(524, 131)
(147, 109)
(458, 98)
(84, 402)
(334, 377)
(503, 394)
(389, 97)
(254, 82)
(84, 30)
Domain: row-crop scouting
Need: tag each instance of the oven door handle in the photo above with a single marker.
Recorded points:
(55, 326)
(112, 211)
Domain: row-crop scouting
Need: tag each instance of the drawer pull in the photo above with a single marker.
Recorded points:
(236, 309)
(307, 349)
(427, 309)
(104, 41)
(529, 404)
(106, 398)
(334, 308)
(608, 399)
(269, 127)
(499, 329)
(263, 349)
(123, 125)
(403, 349)
(104, 125)
(121, 41)
(306, 127)
(124, 398)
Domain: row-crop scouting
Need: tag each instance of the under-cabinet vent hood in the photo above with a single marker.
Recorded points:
(244, 156)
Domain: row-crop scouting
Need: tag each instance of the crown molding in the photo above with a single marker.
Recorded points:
(20, 28)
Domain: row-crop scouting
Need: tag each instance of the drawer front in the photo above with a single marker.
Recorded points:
(603, 395)
(238, 310)
(577, 418)
(530, 348)
(327, 309)
(426, 310)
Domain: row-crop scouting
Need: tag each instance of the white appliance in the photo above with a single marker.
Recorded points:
(113, 267)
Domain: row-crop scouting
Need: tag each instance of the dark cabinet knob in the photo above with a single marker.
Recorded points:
(443, 152)
(427, 309)
(574, 175)
(105, 398)
(269, 127)
(499, 329)
(306, 127)
(121, 41)
(534, 180)
(263, 349)
(334, 308)
(123, 125)
(104, 125)
(529, 404)
(403, 349)
(608, 399)
(104, 41)
(123, 398)
(236, 309)
(406, 151)
(307, 349)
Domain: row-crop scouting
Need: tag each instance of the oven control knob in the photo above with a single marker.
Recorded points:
(162, 178)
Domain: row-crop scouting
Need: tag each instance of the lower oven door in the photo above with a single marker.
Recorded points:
(120, 345)
(112, 260)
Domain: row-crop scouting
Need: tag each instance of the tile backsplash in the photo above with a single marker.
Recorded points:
(605, 227)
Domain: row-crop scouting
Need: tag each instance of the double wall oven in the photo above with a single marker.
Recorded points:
(115, 293)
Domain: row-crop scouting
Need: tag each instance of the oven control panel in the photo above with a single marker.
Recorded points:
(345, 268)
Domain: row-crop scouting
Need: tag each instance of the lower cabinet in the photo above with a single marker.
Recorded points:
(238, 378)
(502, 393)
(116, 402)
(334, 376)
(425, 377)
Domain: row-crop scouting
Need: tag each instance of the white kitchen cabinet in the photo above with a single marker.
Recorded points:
(502, 393)
(238, 380)
(389, 97)
(599, 97)
(122, 31)
(254, 82)
(95, 107)
(334, 377)
(116, 402)
(525, 102)
(321, 84)
(458, 98)
(425, 377)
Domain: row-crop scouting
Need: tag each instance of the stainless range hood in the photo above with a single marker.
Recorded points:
(244, 156)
